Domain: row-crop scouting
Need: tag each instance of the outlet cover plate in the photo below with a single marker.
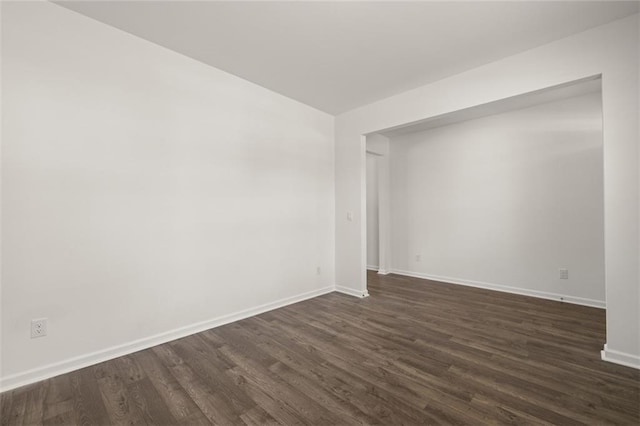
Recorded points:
(38, 327)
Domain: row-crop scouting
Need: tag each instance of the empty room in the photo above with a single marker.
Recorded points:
(323, 212)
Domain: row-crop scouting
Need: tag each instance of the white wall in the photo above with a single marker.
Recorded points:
(610, 50)
(146, 195)
(505, 201)
(372, 211)
(379, 239)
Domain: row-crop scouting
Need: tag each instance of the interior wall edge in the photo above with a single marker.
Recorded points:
(351, 292)
(620, 358)
(76, 363)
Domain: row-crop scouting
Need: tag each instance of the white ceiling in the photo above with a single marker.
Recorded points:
(336, 56)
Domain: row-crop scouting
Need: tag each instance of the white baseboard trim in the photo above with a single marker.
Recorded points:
(41, 373)
(384, 272)
(506, 289)
(352, 292)
(622, 358)
(372, 267)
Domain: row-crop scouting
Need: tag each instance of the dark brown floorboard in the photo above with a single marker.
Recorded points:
(414, 352)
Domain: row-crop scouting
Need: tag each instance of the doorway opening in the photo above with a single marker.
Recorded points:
(507, 196)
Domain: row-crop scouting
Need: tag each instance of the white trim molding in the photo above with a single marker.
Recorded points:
(622, 358)
(383, 272)
(82, 361)
(506, 289)
(373, 267)
(352, 292)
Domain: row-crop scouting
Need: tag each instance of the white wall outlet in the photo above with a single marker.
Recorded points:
(350, 216)
(38, 327)
(418, 257)
(318, 271)
(564, 274)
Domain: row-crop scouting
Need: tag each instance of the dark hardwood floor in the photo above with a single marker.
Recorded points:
(414, 352)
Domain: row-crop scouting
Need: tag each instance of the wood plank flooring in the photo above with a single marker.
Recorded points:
(414, 352)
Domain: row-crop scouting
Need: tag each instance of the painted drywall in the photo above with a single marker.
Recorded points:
(1, 185)
(146, 195)
(610, 50)
(372, 212)
(378, 145)
(505, 200)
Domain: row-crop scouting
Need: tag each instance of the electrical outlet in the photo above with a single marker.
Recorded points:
(418, 258)
(564, 274)
(318, 270)
(38, 327)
